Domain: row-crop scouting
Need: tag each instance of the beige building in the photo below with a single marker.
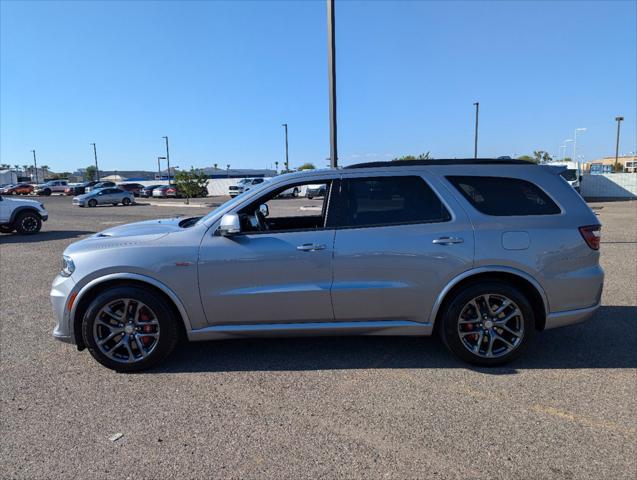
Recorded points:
(628, 163)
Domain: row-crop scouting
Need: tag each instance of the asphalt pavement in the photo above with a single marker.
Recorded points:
(351, 407)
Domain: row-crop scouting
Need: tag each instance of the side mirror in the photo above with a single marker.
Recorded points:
(230, 225)
(265, 211)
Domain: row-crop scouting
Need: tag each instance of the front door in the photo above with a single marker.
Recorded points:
(277, 270)
(396, 246)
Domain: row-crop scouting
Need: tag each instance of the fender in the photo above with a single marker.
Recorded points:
(22, 208)
(130, 276)
(486, 269)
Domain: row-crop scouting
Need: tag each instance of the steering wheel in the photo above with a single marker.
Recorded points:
(260, 219)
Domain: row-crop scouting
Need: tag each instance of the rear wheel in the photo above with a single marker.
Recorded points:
(28, 223)
(129, 329)
(92, 203)
(488, 323)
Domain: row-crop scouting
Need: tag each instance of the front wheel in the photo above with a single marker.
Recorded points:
(47, 192)
(488, 323)
(129, 329)
(28, 223)
(92, 203)
(126, 201)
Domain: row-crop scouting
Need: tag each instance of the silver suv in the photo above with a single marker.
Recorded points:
(485, 252)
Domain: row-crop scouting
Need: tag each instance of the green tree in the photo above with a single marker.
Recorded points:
(191, 183)
(540, 156)
(527, 158)
(90, 173)
(306, 166)
(422, 156)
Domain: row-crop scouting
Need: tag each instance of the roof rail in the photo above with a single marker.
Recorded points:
(442, 161)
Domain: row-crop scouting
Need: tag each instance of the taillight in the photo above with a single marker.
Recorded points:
(592, 234)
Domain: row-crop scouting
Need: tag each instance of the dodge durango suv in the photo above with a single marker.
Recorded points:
(486, 253)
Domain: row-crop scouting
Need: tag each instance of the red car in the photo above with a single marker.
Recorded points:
(18, 189)
(134, 188)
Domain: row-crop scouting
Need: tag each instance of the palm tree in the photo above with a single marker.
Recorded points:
(25, 169)
(45, 169)
(16, 168)
(215, 165)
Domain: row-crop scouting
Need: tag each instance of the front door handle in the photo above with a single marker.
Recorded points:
(447, 240)
(310, 247)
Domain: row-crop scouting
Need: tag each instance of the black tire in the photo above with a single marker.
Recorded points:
(28, 223)
(449, 327)
(92, 203)
(310, 197)
(47, 192)
(168, 329)
(126, 201)
(295, 193)
(6, 228)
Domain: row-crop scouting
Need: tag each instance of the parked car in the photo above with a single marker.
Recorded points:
(134, 188)
(99, 185)
(18, 189)
(78, 188)
(244, 185)
(487, 252)
(148, 191)
(23, 216)
(165, 191)
(104, 196)
(52, 186)
(315, 191)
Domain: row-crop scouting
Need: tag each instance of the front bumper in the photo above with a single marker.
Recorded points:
(44, 216)
(61, 289)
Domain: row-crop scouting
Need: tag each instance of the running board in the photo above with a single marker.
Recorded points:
(381, 327)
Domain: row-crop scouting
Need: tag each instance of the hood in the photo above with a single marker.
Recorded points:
(35, 203)
(148, 227)
(137, 233)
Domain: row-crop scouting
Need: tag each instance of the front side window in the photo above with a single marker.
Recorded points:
(501, 196)
(378, 201)
(280, 211)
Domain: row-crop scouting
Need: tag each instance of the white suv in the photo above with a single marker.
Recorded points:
(24, 216)
(244, 185)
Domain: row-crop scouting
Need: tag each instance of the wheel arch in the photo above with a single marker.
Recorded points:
(22, 209)
(89, 291)
(522, 280)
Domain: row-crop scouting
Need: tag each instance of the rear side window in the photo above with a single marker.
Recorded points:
(378, 201)
(501, 196)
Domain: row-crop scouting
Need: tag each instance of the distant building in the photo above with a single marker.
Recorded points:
(627, 163)
(8, 176)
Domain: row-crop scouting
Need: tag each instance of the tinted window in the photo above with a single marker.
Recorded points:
(503, 196)
(389, 201)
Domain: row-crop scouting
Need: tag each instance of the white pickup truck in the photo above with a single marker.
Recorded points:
(23, 216)
(52, 186)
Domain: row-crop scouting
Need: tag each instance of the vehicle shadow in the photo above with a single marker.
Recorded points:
(608, 340)
(43, 236)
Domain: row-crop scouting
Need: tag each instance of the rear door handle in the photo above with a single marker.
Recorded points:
(310, 247)
(447, 240)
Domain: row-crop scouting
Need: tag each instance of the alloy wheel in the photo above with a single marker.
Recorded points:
(126, 330)
(491, 326)
(29, 224)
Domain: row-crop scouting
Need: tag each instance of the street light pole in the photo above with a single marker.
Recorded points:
(287, 164)
(475, 140)
(575, 143)
(35, 165)
(618, 120)
(97, 170)
(167, 158)
(159, 166)
(331, 69)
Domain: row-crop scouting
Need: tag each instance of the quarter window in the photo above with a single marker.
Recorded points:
(378, 201)
(502, 196)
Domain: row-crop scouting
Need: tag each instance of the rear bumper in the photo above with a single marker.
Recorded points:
(570, 317)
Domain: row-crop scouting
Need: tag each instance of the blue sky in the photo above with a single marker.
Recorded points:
(219, 79)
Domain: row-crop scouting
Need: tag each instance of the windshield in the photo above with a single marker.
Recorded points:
(569, 175)
(235, 200)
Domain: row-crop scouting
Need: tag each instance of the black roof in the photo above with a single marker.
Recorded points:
(442, 161)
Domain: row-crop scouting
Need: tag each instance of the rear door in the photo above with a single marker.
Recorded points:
(399, 240)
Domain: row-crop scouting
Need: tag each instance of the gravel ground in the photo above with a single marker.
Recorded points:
(367, 407)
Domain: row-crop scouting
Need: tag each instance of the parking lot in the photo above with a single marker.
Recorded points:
(350, 407)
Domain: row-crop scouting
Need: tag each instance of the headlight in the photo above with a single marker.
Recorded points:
(68, 267)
